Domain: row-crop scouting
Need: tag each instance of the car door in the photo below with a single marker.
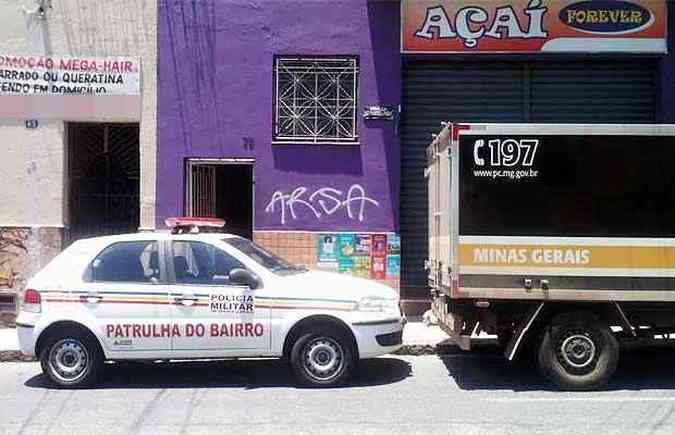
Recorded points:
(216, 315)
(125, 293)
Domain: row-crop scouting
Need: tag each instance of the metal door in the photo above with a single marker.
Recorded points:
(104, 162)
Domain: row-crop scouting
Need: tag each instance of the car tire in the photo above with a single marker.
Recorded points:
(72, 359)
(577, 351)
(325, 359)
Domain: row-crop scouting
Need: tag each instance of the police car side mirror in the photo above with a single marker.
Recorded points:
(244, 277)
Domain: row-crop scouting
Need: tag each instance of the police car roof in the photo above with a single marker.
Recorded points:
(157, 235)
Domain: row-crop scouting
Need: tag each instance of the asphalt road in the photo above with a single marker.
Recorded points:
(459, 393)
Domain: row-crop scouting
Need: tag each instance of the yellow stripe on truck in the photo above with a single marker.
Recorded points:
(567, 256)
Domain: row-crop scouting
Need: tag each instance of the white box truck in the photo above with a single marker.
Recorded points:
(555, 238)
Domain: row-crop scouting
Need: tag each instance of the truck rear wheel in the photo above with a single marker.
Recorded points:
(577, 351)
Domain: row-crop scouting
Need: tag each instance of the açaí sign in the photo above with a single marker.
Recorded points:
(527, 26)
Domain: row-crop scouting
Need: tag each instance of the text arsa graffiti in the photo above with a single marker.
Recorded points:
(325, 201)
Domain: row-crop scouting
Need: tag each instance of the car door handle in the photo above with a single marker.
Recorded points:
(185, 300)
(91, 299)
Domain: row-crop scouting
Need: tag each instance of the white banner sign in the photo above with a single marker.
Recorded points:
(69, 87)
(69, 75)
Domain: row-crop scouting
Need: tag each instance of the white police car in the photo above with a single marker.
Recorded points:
(164, 296)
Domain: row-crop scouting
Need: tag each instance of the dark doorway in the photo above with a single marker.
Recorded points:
(104, 169)
(222, 189)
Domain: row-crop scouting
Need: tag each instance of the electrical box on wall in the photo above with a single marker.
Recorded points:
(379, 112)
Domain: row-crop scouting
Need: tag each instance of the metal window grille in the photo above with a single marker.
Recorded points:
(315, 99)
(201, 190)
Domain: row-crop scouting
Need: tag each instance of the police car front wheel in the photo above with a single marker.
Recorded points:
(71, 360)
(322, 359)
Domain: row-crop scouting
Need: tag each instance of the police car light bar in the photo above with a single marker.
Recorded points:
(190, 224)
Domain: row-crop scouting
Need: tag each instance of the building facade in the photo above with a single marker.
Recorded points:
(238, 80)
(261, 122)
(72, 167)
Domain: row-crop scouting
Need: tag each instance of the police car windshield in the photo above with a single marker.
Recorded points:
(265, 258)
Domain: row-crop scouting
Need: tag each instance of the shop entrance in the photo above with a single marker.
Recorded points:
(221, 188)
(104, 174)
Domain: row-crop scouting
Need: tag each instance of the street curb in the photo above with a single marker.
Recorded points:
(14, 356)
(405, 350)
(10, 356)
(425, 349)
(447, 347)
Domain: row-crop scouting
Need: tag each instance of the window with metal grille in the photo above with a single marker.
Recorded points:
(315, 99)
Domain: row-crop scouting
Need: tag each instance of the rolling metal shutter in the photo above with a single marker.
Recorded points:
(593, 92)
(573, 91)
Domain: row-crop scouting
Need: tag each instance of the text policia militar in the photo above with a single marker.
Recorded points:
(224, 303)
(163, 330)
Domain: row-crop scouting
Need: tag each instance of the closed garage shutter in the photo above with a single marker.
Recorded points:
(591, 91)
(597, 92)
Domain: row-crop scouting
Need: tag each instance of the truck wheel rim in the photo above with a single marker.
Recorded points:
(323, 358)
(578, 351)
(68, 360)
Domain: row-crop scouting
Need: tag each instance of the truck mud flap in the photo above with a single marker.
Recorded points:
(521, 330)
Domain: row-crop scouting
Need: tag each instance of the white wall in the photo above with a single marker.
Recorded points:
(32, 162)
(31, 174)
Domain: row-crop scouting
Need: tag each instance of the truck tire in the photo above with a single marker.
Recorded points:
(578, 351)
(71, 359)
(323, 359)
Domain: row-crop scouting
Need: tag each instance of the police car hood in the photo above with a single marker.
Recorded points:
(334, 286)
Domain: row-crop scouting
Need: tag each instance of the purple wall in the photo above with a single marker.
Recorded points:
(216, 92)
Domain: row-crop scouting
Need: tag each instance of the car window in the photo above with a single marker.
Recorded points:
(263, 257)
(201, 263)
(136, 261)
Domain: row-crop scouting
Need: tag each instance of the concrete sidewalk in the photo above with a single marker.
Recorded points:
(416, 334)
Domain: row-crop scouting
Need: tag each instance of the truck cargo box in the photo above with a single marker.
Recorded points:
(553, 212)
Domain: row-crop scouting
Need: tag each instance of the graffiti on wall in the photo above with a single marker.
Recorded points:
(325, 201)
(13, 252)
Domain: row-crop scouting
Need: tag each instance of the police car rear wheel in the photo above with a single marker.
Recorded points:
(71, 360)
(322, 360)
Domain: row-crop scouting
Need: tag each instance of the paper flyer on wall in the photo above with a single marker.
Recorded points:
(328, 248)
(362, 266)
(374, 256)
(363, 244)
(379, 267)
(393, 266)
(393, 244)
